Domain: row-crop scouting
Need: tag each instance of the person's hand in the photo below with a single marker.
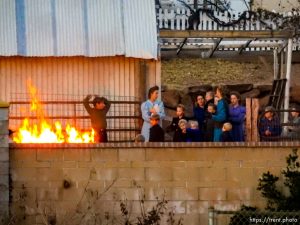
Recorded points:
(268, 133)
(152, 110)
(89, 96)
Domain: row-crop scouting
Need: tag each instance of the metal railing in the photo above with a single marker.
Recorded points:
(123, 119)
(288, 131)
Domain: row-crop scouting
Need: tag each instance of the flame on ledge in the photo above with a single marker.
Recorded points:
(44, 132)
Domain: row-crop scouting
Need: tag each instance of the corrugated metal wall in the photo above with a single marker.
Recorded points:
(75, 76)
(71, 79)
(78, 27)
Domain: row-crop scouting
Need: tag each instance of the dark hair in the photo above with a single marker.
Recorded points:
(151, 90)
(181, 106)
(212, 105)
(223, 90)
(98, 99)
(237, 95)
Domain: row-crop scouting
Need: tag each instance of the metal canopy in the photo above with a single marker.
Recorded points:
(236, 40)
(212, 41)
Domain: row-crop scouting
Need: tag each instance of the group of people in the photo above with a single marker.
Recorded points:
(270, 128)
(215, 119)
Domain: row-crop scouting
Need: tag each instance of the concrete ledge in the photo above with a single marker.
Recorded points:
(158, 145)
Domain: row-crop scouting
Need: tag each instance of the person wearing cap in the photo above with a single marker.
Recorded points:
(157, 134)
(150, 107)
(98, 116)
(269, 125)
(293, 131)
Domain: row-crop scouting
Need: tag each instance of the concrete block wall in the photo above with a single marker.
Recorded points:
(193, 178)
(4, 162)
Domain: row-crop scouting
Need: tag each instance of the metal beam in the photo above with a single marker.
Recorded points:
(180, 47)
(215, 48)
(284, 34)
(288, 79)
(246, 45)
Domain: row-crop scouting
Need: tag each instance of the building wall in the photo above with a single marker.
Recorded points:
(4, 162)
(74, 77)
(71, 79)
(193, 177)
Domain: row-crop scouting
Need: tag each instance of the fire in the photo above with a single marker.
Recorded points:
(44, 132)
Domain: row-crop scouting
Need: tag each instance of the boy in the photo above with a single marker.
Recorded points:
(193, 133)
(182, 135)
(98, 116)
(209, 123)
(226, 133)
(156, 132)
(180, 109)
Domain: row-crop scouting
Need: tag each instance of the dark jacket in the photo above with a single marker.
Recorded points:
(272, 125)
(175, 128)
(193, 135)
(209, 126)
(157, 134)
(226, 136)
(199, 115)
(98, 116)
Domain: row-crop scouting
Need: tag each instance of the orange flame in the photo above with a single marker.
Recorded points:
(44, 132)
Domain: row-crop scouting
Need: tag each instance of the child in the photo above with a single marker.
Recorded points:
(182, 135)
(174, 125)
(209, 123)
(156, 132)
(98, 116)
(226, 133)
(139, 138)
(193, 133)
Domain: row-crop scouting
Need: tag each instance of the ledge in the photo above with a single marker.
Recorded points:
(294, 144)
(284, 34)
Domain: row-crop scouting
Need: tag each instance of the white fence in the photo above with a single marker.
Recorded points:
(177, 19)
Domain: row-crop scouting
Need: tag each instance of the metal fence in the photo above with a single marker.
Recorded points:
(288, 131)
(251, 217)
(123, 119)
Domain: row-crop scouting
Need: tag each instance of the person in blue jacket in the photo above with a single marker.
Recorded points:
(269, 125)
(199, 114)
(221, 115)
(237, 115)
(150, 107)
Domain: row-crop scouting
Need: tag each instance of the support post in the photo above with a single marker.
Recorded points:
(282, 64)
(4, 161)
(288, 79)
(275, 55)
(248, 120)
(211, 216)
(254, 119)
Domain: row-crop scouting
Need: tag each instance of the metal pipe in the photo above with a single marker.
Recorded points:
(288, 79)
(211, 218)
(275, 54)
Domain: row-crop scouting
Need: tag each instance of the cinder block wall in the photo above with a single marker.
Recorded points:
(194, 177)
(4, 162)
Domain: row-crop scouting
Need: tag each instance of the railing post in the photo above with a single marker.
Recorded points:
(248, 120)
(254, 119)
(211, 216)
(4, 161)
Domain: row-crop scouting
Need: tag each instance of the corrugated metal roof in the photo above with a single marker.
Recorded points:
(8, 35)
(139, 33)
(78, 27)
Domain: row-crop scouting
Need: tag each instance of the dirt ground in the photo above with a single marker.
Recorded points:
(188, 69)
